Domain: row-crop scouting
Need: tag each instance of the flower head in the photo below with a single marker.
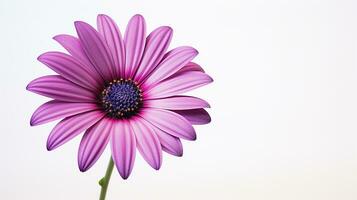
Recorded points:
(122, 91)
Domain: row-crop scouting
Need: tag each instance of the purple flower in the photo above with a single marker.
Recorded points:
(122, 91)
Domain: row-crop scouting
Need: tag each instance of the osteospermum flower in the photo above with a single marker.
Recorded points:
(126, 92)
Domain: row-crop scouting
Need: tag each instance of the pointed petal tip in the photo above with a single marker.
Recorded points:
(178, 154)
(28, 87)
(175, 152)
(32, 121)
(157, 166)
(60, 37)
(168, 28)
(138, 16)
(124, 176)
(56, 37)
(192, 136)
(196, 52)
(80, 164)
(102, 15)
(210, 78)
(158, 163)
(82, 168)
(80, 24)
(49, 147)
(50, 144)
(42, 57)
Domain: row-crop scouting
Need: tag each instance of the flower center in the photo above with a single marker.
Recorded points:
(121, 98)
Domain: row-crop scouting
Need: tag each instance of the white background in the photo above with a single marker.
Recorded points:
(284, 102)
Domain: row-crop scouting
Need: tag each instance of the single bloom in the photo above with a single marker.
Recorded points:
(126, 92)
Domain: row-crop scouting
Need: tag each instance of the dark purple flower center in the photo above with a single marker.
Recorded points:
(121, 98)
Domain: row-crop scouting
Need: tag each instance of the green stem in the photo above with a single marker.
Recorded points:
(105, 180)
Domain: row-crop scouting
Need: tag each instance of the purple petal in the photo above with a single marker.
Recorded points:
(173, 61)
(110, 31)
(70, 69)
(73, 46)
(170, 122)
(156, 45)
(177, 103)
(93, 143)
(178, 84)
(56, 87)
(123, 144)
(169, 143)
(147, 142)
(134, 41)
(195, 116)
(54, 109)
(96, 50)
(70, 127)
(191, 66)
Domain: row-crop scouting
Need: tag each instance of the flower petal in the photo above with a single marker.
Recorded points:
(191, 66)
(173, 61)
(96, 49)
(54, 109)
(195, 116)
(147, 142)
(177, 103)
(93, 143)
(134, 41)
(169, 143)
(56, 87)
(123, 144)
(70, 69)
(178, 84)
(170, 122)
(156, 45)
(110, 31)
(73, 46)
(70, 127)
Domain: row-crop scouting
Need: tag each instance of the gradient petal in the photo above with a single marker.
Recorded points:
(123, 145)
(179, 84)
(70, 69)
(173, 61)
(54, 109)
(170, 144)
(59, 88)
(70, 127)
(170, 122)
(156, 45)
(147, 142)
(112, 36)
(191, 66)
(96, 50)
(134, 41)
(177, 103)
(73, 46)
(93, 143)
(195, 116)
